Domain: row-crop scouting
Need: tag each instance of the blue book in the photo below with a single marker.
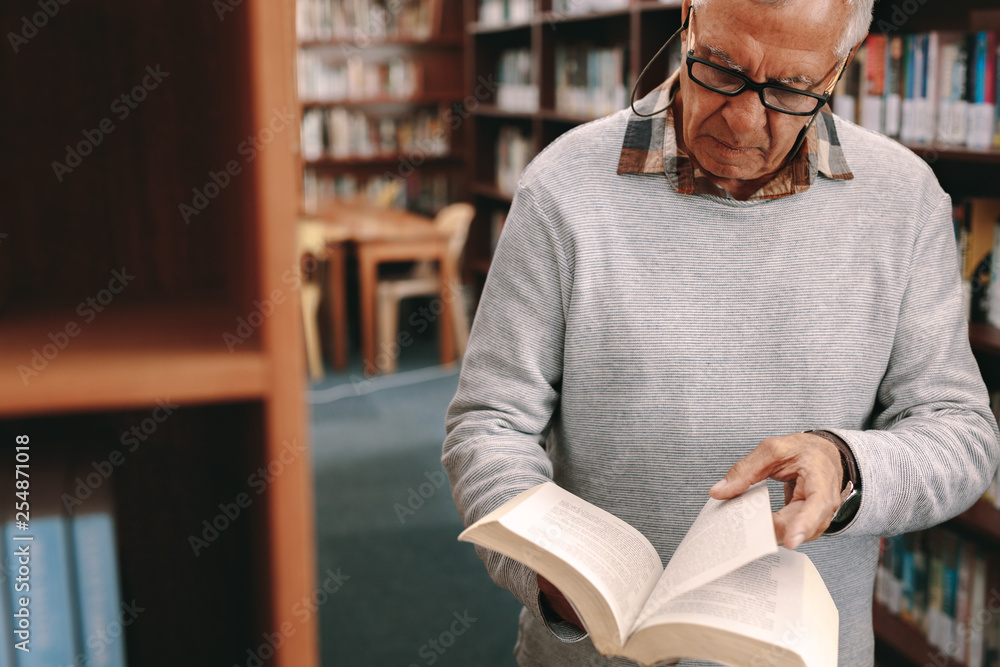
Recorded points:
(6, 584)
(93, 534)
(48, 586)
(51, 613)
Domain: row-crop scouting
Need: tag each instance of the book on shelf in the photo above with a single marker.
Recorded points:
(366, 21)
(325, 76)
(976, 220)
(496, 13)
(513, 152)
(47, 591)
(579, 7)
(341, 133)
(419, 191)
(517, 81)
(590, 81)
(728, 594)
(69, 585)
(92, 530)
(937, 86)
(948, 589)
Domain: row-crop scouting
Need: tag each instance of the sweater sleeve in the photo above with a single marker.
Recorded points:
(509, 388)
(932, 448)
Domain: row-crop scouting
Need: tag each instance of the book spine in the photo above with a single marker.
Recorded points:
(53, 639)
(893, 82)
(8, 569)
(97, 576)
(977, 611)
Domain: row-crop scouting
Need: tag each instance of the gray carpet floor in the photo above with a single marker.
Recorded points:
(410, 594)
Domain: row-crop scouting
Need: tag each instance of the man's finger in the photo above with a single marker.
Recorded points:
(755, 467)
(810, 513)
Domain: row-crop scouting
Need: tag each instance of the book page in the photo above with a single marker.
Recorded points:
(617, 559)
(779, 599)
(726, 535)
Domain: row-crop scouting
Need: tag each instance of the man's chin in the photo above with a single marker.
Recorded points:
(744, 166)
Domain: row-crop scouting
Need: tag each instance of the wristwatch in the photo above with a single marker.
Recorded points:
(850, 493)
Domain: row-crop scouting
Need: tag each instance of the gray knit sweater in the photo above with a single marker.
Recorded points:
(633, 343)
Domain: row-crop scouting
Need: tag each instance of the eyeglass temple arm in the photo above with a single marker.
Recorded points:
(635, 86)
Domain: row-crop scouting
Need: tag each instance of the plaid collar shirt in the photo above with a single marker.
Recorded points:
(650, 147)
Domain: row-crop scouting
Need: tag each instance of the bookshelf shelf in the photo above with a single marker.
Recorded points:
(426, 98)
(493, 111)
(443, 41)
(904, 640)
(934, 152)
(491, 191)
(565, 118)
(480, 29)
(982, 520)
(377, 161)
(554, 18)
(128, 356)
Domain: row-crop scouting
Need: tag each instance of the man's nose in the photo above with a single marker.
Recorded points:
(744, 113)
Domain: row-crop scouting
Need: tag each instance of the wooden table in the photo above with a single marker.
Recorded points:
(382, 235)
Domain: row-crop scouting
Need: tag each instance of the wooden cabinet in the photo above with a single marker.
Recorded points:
(148, 260)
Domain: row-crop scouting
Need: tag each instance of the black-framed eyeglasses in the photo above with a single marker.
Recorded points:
(777, 97)
(731, 83)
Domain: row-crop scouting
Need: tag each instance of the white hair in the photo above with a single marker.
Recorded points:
(855, 30)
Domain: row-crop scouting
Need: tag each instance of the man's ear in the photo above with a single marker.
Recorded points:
(685, 14)
(850, 56)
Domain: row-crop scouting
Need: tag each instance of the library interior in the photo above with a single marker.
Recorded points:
(270, 225)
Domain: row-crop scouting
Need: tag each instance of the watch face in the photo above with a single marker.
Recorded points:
(849, 506)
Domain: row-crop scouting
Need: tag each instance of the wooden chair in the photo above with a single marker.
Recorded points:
(425, 280)
(311, 241)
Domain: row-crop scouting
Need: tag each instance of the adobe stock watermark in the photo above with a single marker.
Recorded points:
(435, 647)
(247, 150)
(901, 13)
(85, 485)
(61, 338)
(30, 25)
(230, 512)
(121, 107)
(303, 610)
(419, 495)
(223, 7)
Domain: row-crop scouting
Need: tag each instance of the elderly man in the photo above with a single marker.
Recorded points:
(740, 286)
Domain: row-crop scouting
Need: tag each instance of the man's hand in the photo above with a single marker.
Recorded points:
(811, 469)
(558, 602)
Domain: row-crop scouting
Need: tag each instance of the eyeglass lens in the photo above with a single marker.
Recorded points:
(724, 82)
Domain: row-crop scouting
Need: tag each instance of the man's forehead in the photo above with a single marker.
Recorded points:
(730, 62)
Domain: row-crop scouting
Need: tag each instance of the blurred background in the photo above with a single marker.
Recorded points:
(242, 246)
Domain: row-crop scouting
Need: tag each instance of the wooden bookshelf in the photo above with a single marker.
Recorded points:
(981, 521)
(161, 335)
(439, 57)
(902, 643)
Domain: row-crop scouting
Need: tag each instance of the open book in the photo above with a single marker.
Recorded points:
(729, 594)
